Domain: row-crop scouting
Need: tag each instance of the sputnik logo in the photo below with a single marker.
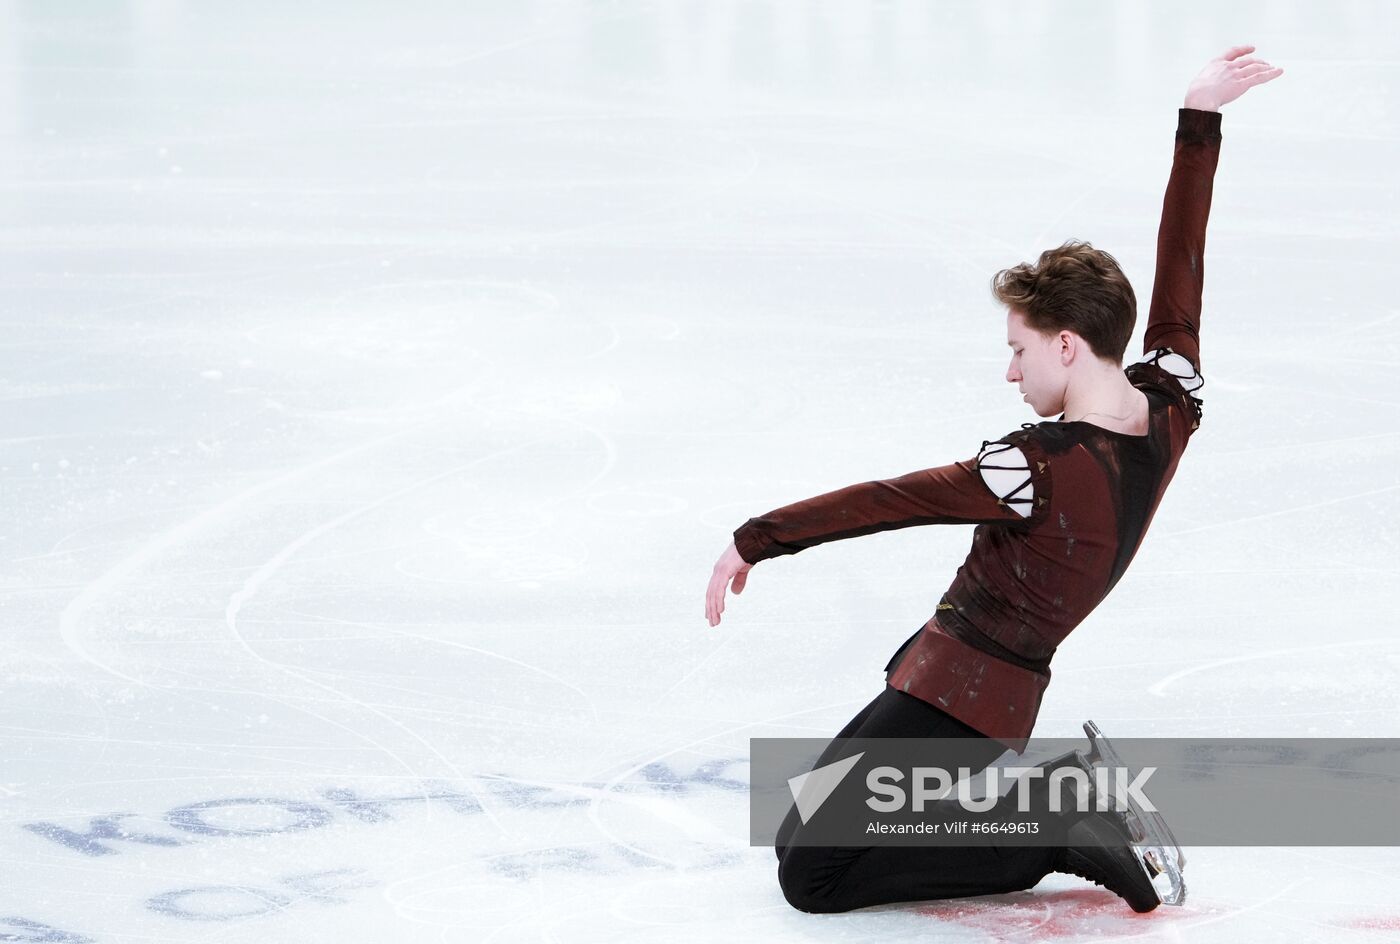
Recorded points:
(810, 790)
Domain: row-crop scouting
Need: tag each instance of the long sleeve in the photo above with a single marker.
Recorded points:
(950, 494)
(1175, 317)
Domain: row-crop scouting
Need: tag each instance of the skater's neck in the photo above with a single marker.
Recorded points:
(1101, 394)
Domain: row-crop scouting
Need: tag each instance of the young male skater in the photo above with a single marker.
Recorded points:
(1061, 508)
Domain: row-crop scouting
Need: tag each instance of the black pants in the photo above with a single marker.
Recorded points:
(822, 879)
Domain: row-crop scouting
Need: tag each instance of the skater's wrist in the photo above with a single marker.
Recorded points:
(1194, 124)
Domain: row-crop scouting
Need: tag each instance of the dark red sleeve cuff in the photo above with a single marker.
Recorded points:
(749, 543)
(1193, 125)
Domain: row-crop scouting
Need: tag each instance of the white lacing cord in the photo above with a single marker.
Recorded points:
(1183, 371)
(1007, 473)
(1179, 367)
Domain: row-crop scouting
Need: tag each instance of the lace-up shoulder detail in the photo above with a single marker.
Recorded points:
(1181, 370)
(1006, 471)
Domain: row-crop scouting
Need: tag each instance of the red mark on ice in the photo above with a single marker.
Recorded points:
(1378, 923)
(1047, 916)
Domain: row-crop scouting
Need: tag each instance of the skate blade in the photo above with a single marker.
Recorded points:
(1147, 827)
(1164, 872)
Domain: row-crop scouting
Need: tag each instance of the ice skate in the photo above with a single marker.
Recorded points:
(1158, 854)
(1099, 849)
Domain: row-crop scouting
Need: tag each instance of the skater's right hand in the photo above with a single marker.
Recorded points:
(730, 566)
(1227, 77)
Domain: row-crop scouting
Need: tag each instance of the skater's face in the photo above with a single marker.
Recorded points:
(1038, 367)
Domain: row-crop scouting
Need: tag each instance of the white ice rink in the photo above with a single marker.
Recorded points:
(380, 383)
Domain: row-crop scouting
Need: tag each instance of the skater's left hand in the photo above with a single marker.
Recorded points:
(1227, 77)
(730, 566)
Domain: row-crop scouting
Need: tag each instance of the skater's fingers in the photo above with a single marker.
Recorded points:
(1259, 78)
(1234, 52)
(712, 611)
(731, 566)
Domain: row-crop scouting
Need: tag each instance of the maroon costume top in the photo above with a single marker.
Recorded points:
(1060, 507)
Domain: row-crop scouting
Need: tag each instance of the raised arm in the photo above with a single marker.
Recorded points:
(1174, 319)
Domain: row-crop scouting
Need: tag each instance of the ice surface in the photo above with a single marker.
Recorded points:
(379, 386)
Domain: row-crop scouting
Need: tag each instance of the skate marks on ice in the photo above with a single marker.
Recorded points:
(91, 626)
(1159, 688)
(461, 410)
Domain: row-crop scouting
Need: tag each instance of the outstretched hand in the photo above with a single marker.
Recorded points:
(730, 566)
(1227, 77)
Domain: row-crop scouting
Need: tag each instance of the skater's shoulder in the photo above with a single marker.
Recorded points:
(1045, 436)
(1166, 370)
(1175, 378)
(1016, 469)
(1028, 436)
(1050, 440)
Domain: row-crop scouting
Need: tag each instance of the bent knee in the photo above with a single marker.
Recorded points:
(802, 888)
